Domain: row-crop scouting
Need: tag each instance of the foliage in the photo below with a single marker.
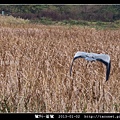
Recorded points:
(64, 12)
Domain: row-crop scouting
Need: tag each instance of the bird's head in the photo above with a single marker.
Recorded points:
(80, 54)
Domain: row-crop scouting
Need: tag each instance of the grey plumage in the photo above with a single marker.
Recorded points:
(104, 58)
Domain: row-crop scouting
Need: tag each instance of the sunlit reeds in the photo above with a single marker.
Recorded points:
(35, 64)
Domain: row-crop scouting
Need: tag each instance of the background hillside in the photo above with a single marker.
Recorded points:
(106, 13)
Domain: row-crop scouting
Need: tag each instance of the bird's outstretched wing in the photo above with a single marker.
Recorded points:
(105, 59)
(77, 55)
(71, 67)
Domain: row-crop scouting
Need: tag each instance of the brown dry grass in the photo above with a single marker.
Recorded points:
(35, 63)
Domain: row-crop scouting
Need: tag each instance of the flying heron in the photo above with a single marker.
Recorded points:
(104, 58)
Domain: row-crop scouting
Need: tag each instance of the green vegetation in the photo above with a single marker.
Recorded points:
(97, 24)
(106, 13)
(95, 16)
(9, 20)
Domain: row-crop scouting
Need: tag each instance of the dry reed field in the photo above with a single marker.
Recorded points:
(35, 69)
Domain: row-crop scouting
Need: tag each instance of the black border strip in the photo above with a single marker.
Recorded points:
(60, 2)
(59, 116)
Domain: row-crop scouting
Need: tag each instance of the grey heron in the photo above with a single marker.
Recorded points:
(104, 58)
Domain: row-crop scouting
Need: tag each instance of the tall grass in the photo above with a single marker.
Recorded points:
(35, 63)
(10, 20)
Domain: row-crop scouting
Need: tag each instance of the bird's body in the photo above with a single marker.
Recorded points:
(104, 58)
